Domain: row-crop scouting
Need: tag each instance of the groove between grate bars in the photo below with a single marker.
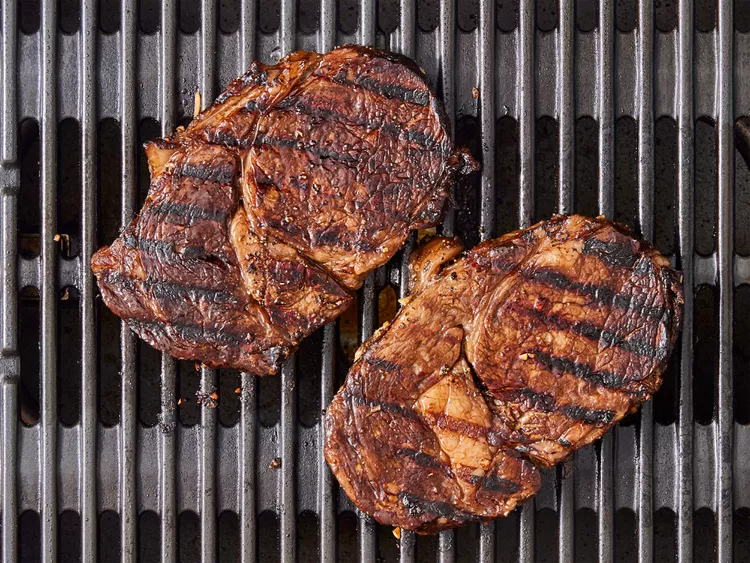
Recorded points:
(209, 468)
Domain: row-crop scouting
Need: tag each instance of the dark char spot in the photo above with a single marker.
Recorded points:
(613, 253)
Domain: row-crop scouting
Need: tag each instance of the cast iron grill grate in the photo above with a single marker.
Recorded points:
(633, 105)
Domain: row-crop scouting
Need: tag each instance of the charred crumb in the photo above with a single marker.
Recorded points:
(209, 400)
(275, 463)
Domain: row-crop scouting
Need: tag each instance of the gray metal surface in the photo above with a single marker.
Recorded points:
(210, 468)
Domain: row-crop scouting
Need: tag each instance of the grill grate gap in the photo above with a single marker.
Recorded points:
(547, 139)
(626, 547)
(149, 383)
(466, 192)
(546, 532)
(666, 399)
(189, 13)
(108, 378)
(268, 537)
(704, 526)
(70, 16)
(69, 194)
(149, 537)
(546, 15)
(29, 342)
(467, 16)
(269, 397)
(706, 353)
(309, 16)
(742, 15)
(69, 357)
(29, 221)
(587, 15)
(741, 356)
(347, 536)
(428, 15)
(148, 15)
(626, 171)
(665, 15)
(665, 183)
(69, 540)
(188, 536)
(665, 535)
(705, 15)
(388, 15)
(506, 174)
(506, 15)
(229, 399)
(29, 536)
(230, 13)
(586, 166)
(110, 546)
(308, 378)
(109, 16)
(229, 537)
(706, 186)
(741, 204)
(626, 15)
(348, 12)
(307, 532)
(741, 543)
(109, 186)
(585, 535)
(188, 385)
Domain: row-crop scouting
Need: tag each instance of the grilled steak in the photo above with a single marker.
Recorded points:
(513, 356)
(274, 204)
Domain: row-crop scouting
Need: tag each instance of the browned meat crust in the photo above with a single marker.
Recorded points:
(517, 354)
(274, 204)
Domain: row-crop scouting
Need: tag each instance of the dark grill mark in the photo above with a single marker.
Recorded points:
(417, 506)
(588, 330)
(222, 174)
(425, 460)
(392, 129)
(382, 364)
(391, 91)
(589, 416)
(193, 333)
(381, 406)
(545, 402)
(499, 485)
(166, 251)
(452, 424)
(604, 378)
(539, 400)
(599, 294)
(619, 254)
(316, 150)
(189, 211)
(169, 290)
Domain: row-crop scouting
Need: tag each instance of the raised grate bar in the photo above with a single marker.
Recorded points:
(686, 249)
(143, 72)
(725, 252)
(48, 293)
(87, 443)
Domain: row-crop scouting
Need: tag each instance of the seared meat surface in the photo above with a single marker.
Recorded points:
(525, 349)
(274, 204)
